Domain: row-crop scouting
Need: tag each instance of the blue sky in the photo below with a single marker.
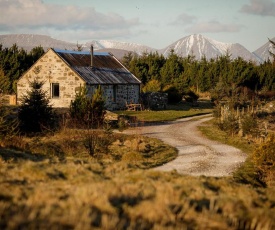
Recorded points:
(149, 22)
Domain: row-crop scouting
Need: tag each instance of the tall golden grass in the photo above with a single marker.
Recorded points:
(89, 195)
(46, 187)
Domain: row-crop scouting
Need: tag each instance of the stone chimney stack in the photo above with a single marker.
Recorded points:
(92, 56)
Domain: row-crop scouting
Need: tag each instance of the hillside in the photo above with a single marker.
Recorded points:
(29, 41)
(196, 45)
(263, 51)
(200, 46)
(107, 44)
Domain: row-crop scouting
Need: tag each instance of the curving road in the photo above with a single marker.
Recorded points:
(197, 154)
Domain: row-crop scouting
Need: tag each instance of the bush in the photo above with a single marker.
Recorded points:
(35, 113)
(230, 125)
(264, 159)
(97, 142)
(8, 123)
(191, 96)
(249, 125)
(248, 173)
(152, 86)
(174, 95)
(88, 112)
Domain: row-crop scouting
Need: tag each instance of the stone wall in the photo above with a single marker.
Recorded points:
(154, 100)
(51, 69)
(117, 95)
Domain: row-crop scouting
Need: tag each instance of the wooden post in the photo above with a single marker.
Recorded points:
(240, 128)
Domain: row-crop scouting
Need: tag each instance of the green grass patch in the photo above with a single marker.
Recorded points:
(173, 112)
(211, 131)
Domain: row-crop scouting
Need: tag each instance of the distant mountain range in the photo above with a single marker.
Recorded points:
(200, 46)
(196, 45)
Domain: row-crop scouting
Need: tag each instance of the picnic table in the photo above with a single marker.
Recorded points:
(133, 107)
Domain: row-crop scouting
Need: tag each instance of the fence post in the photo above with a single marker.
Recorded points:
(240, 128)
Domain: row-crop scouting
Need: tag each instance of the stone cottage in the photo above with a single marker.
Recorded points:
(63, 72)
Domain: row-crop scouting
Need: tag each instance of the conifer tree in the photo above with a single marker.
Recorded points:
(86, 111)
(35, 112)
(4, 82)
(97, 108)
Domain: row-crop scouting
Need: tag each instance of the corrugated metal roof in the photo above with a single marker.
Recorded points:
(106, 68)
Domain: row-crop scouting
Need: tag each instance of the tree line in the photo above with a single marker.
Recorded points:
(220, 76)
(14, 61)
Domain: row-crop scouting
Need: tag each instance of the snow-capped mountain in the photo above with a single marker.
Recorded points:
(263, 52)
(29, 41)
(200, 46)
(107, 44)
(197, 45)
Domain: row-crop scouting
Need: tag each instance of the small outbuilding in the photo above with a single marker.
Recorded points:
(64, 72)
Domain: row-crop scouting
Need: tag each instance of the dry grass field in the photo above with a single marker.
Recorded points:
(52, 183)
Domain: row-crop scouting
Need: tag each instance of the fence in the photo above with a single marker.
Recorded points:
(239, 116)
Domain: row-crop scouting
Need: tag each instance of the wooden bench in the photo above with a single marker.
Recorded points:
(133, 107)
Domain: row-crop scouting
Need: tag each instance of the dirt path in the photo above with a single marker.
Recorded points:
(197, 154)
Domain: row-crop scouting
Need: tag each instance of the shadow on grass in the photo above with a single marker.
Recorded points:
(186, 106)
(15, 155)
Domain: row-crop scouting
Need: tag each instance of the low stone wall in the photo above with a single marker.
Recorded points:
(154, 100)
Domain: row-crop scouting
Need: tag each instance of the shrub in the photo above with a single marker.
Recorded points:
(249, 125)
(88, 112)
(35, 113)
(152, 86)
(97, 142)
(248, 173)
(264, 159)
(230, 125)
(8, 124)
(191, 96)
(174, 96)
(78, 107)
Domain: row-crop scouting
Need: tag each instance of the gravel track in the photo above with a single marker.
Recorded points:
(197, 155)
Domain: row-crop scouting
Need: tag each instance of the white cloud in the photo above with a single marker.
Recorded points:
(259, 7)
(34, 15)
(213, 27)
(184, 19)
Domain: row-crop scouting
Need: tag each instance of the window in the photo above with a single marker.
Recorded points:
(55, 90)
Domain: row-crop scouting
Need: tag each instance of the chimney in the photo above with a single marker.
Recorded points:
(92, 56)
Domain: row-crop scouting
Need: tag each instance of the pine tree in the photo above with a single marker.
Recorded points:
(5, 83)
(78, 107)
(35, 113)
(97, 108)
(88, 112)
